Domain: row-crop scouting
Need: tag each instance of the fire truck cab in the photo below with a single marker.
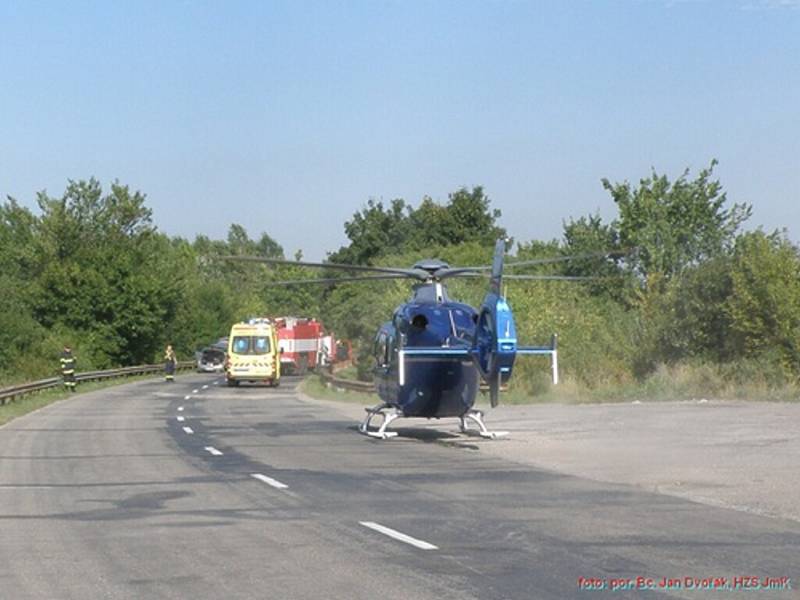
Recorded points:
(253, 353)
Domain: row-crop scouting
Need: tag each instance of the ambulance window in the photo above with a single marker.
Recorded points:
(241, 344)
(260, 345)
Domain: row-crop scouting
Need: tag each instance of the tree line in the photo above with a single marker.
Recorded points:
(687, 285)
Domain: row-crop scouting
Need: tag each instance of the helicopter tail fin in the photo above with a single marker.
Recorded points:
(495, 343)
(496, 282)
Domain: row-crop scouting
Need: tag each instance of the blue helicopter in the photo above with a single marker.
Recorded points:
(432, 357)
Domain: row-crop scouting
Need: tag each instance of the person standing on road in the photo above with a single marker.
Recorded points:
(68, 368)
(170, 362)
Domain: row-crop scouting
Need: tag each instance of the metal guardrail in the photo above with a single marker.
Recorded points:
(346, 384)
(11, 393)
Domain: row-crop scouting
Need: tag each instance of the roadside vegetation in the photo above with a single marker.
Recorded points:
(696, 305)
(37, 400)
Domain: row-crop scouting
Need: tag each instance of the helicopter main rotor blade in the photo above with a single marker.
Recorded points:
(551, 277)
(472, 275)
(462, 272)
(413, 273)
(335, 280)
(557, 259)
(459, 271)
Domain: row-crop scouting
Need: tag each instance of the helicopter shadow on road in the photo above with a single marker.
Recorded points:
(428, 436)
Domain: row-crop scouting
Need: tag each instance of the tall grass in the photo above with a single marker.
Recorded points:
(742, 380)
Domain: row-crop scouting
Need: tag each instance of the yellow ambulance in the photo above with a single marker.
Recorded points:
(253, 353)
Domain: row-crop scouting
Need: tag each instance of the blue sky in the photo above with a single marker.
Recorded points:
(287, 117)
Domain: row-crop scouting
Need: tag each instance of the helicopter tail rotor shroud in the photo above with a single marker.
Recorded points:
(495, 343)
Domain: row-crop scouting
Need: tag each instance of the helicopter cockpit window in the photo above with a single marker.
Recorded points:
(462, 320)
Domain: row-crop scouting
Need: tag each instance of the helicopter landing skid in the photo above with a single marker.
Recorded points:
(477, 417)
(388, 417)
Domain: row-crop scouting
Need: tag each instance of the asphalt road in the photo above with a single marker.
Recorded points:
(194, 490)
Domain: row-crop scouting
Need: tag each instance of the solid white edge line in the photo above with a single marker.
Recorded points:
(188, 430)
(181, 419)
(214, 451)
(402, 537)
(269, 481)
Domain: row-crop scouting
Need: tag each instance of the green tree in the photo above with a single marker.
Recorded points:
(764, 303)
(467, 217)
(588, 235)
(375, 231)
(674, 225)
(105, 271)
(372, 231)
(684, 318)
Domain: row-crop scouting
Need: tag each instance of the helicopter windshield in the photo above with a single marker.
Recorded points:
(432, 325)
(462, 321)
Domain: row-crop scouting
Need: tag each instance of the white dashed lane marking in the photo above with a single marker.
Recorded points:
(181, 419)
(180, 409)
(188, 430)
(269, 481)
(195, 391)
(213, 451)
(187, 397)
(205, 387)
(402, 537)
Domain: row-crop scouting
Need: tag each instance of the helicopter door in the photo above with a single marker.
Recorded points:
(381, 351)
(382, 365)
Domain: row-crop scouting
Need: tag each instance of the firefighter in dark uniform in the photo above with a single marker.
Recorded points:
(68, 368)
(169, 363)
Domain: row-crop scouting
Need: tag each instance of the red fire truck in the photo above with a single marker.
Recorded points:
(301, 343)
